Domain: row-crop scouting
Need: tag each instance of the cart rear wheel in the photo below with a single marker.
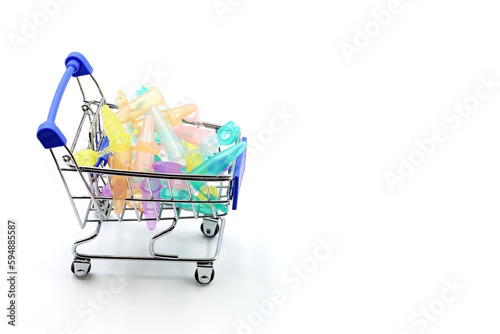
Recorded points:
(204, 279)
(81, 268)
(207, 230)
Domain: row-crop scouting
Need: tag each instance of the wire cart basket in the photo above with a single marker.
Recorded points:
(98, 207)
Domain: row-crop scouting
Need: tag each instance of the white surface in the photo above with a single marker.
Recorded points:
(321, 175)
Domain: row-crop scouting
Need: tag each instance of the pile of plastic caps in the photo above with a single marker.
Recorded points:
(144, 135)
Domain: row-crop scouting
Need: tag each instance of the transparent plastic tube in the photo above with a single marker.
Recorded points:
(129, 111)
(178, 112)
(151, 209)
(119, 186)
(176, 115)
(172, 144)
(119, 140)
(171, 168)
(145, 149)
(207, 141)
(193, 158)
(219, 162)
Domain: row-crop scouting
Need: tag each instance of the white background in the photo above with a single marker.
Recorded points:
(319, 175)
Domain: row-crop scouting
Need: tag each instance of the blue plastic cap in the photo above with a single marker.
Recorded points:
(50, 136)
(84, 67)
(239, 170)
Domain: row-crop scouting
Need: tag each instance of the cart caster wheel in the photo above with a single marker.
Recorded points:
(207, 275)
(81, 267)
(209, 230)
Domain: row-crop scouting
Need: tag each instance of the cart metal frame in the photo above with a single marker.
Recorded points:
(99, 209)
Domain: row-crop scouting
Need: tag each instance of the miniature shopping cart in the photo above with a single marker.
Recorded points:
(98, 208)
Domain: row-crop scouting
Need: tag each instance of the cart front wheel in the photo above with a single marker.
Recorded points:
(81, 267)
(204, 275)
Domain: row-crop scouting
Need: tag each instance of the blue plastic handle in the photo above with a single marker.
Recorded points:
(48, 133)
(239, 170)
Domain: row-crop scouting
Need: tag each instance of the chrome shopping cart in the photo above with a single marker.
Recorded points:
(95, 206)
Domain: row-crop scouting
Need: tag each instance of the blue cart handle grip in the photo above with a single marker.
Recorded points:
(48, 133)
